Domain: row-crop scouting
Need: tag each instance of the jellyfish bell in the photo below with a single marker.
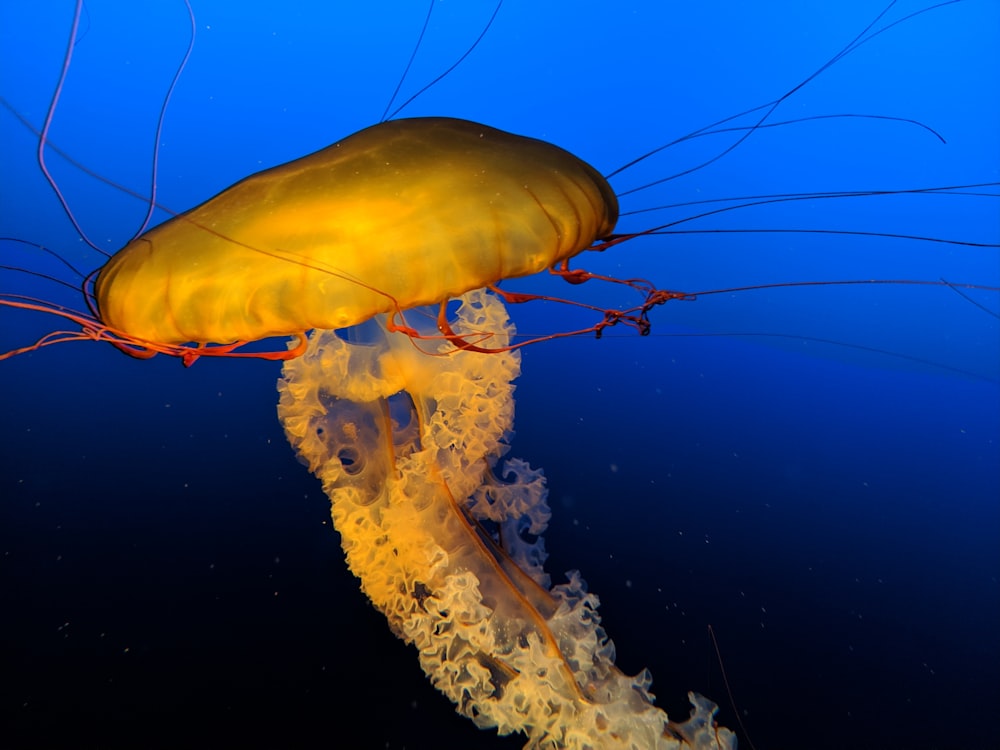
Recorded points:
(402, 214)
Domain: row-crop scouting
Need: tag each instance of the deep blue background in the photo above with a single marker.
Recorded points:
(832, 511)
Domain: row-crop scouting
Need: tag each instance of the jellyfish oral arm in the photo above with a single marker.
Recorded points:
(445, 537)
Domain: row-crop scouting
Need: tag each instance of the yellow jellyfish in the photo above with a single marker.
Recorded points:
(404, 214)
(440, 528)
(446, 539)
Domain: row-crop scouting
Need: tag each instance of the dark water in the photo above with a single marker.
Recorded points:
(169, 574)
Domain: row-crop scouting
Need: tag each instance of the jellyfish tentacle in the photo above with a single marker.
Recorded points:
(92, 329)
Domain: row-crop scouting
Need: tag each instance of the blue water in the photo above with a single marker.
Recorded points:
(815, 472)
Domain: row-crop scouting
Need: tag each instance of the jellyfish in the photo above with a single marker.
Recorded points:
(404, 214)
(401, 215)
(608, 388)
